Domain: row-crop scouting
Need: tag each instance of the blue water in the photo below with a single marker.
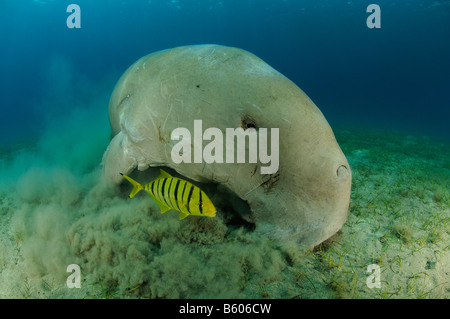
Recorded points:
(395, 77)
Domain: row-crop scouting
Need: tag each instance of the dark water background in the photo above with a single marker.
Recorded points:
(396, 77)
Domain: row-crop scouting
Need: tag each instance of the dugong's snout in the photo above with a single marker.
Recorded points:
(325, 201)
(309, 202)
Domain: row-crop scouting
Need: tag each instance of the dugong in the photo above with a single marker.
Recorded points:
(305, 200)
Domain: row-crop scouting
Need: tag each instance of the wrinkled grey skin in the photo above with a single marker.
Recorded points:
(305, 201)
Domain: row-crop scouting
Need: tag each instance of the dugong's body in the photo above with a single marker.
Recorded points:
(306, 200)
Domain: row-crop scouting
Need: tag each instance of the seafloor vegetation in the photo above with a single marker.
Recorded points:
(398, 219)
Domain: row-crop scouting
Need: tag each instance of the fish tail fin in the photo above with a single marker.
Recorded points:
(136, 186)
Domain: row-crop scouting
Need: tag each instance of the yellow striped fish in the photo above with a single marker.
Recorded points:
(174, 193)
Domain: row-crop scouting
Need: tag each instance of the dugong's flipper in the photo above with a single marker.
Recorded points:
(117, 160)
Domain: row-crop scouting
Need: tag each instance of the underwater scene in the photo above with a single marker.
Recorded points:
(225, 149)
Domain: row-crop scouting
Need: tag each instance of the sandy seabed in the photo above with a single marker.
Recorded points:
(54, 212)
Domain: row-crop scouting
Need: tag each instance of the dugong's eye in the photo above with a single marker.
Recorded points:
(248, 123)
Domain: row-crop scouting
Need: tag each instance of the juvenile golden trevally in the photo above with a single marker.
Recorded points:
(174, 193)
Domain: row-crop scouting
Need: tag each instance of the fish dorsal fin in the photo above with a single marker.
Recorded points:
(163, 174)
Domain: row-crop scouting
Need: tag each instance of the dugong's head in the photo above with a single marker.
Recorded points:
(305, 192)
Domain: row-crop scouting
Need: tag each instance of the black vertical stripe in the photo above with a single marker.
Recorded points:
(162, 188)
(156, 186)
(148, 188)
(164, 194)
(182, 192)
(175, 194)
(153, 188)
(169, 192)
(161, 198)
(200, 203)
(189, 198)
